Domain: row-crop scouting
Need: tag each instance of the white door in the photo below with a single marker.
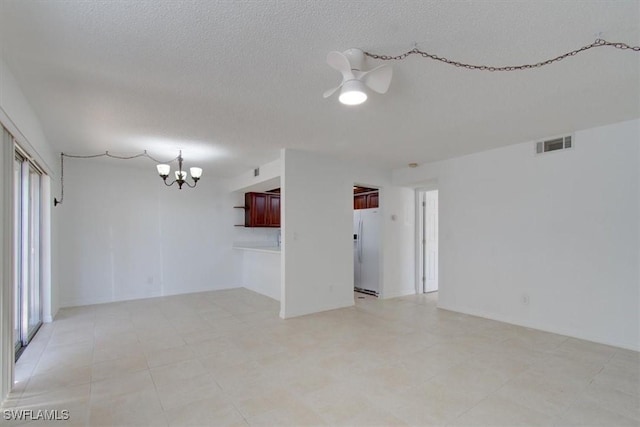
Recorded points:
(431, 241)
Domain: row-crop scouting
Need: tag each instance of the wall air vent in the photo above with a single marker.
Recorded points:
(555, 144)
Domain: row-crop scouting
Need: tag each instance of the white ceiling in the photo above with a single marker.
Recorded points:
(231, 82)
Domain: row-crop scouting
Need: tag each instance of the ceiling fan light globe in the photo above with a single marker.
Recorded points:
(353, 93)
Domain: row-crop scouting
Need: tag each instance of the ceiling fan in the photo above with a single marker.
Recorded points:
(354, 79)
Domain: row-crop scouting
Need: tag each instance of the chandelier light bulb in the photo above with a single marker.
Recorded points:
(163, 170)
(196, 173)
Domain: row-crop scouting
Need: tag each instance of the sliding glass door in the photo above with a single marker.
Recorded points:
(28, 282)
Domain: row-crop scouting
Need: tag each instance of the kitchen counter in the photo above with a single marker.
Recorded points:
(257, 248)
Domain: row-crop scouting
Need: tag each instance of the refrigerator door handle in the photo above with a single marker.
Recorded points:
(360, 226)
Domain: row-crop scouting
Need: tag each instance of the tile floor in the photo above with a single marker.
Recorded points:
(225, 358)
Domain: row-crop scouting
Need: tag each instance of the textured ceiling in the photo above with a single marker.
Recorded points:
(231, 82)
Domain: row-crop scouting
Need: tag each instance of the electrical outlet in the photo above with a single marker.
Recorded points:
(525, 299)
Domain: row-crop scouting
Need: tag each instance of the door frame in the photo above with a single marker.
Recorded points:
(380, 234)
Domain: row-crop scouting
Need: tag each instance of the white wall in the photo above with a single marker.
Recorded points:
(317, 212)
(317, 234)
(561, 229)
(125, 235)
(267, 179)
(398, 254)
(19, 118)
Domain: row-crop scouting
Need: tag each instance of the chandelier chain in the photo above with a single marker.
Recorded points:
(114, 156)
(56, 202)
(416, 51)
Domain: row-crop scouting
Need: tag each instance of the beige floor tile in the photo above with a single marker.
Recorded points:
(63, 357)
(376, 417)
(585, 350)
(497, 411)
(114, 338)
(210, 412)
(439, 403)
(475, 381)
(341, 411)
(225, 358)
(551, 395)
(591, 414)
(115, 351)
(160, 343)
(23, 370)
(135, 408)
(201, 336)
(251, 406)
(57, 379)
(612, 400)
(84, 335)
(117, 367)
(168, 356)
(179, 393)
(619, 378)
(420, 414)
(113, 387)
(212, 347)
(296, 414)
(577, 371)
(60, 398)
(164, 376)
(225, 362)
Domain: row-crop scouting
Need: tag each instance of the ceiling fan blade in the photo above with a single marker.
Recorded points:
(378, 79)
(338, 61)
(331, 91)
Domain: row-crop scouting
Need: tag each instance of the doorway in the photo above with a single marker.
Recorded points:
(429, 241)
(366, 240)
(27, 317)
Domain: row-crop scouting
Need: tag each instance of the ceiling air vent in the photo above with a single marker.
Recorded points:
(553, 144)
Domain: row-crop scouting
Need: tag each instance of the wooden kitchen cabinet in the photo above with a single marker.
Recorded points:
(273, 210)
(373, 200)
(360, 201)
(262, 210)
(366, 200)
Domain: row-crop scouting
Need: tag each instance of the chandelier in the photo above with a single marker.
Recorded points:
(181, 176)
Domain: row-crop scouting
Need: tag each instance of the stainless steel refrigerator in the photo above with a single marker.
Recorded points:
(366, 250)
